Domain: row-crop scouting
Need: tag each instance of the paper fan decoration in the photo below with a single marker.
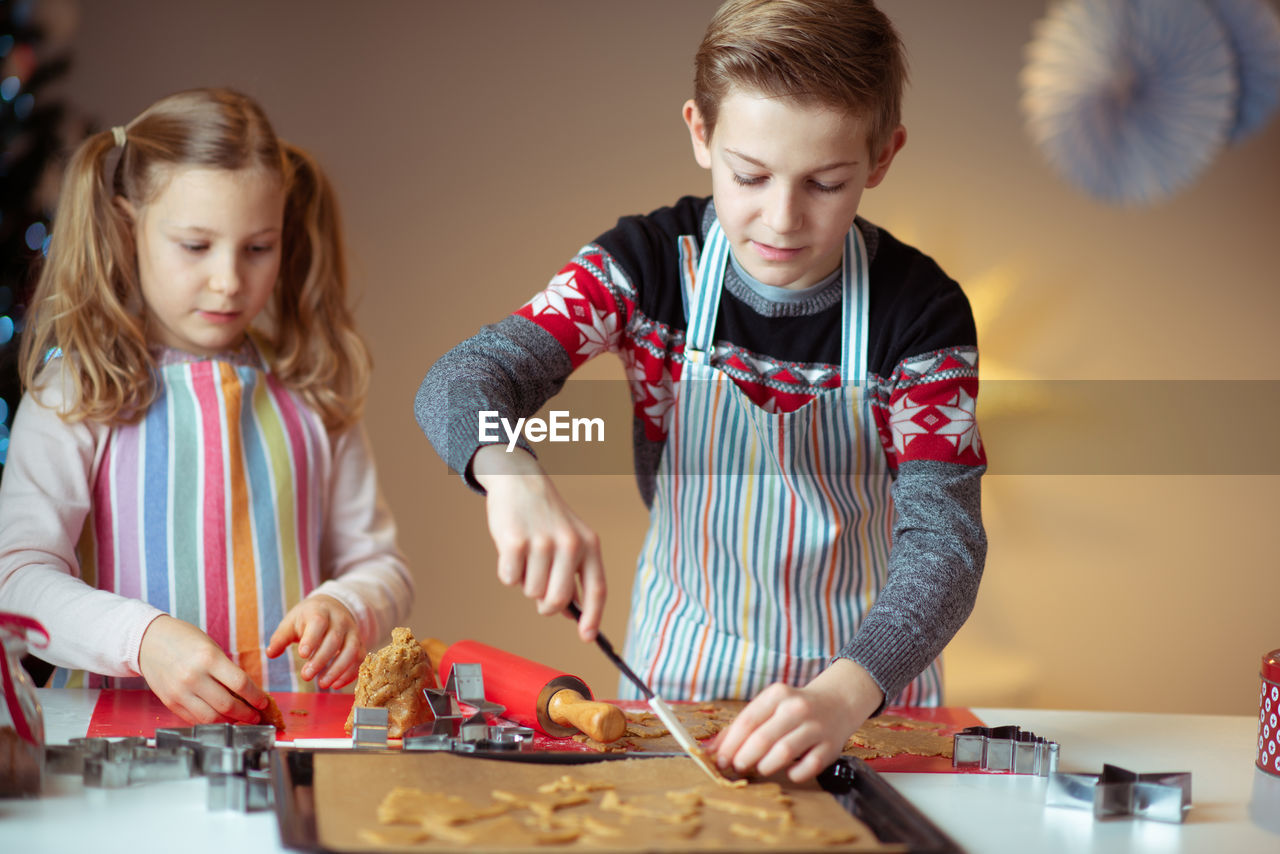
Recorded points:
(1253, 29)
(1130, 99)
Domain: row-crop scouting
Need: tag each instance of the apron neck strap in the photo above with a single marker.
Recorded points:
(855, 312)
(855, 300)
(706, 295)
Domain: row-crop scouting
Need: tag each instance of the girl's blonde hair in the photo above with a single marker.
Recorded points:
(88, 302)
(839, 53)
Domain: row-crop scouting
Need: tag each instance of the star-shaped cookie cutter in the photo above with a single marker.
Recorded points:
(454, 730)
(1164, 796)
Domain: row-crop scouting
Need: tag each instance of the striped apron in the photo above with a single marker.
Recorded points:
(205, 509)
(769, 534)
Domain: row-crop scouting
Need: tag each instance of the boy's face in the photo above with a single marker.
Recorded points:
(787, 178)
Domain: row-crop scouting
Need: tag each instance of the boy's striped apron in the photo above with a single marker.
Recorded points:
(769, 533)
(206, 509)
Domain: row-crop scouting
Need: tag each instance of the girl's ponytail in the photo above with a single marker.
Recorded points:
(88, 301)
(84, 299)
(319, 353)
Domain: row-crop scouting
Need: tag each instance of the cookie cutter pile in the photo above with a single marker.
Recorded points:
(453, 730)
(235, 758)
(1164, 796)
(1006, 749)
(107, 764)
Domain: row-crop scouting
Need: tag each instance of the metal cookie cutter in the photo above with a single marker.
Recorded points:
(236, 759)
(369, 727)
(247, 792)
(107, 764)
(69, 758)
(222, 748)
(466, 682)
(1008, 749)
(452, 730)
(471, 734)
(1119, 792)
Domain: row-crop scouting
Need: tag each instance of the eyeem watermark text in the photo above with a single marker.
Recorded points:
(560, 427)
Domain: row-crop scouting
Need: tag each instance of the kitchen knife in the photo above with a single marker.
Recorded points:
(661, 709)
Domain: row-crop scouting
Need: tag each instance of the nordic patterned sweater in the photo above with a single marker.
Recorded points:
(622, 293)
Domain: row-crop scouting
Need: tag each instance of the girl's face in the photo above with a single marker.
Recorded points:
(209, 251)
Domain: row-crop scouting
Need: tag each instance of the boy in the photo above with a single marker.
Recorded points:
(803, 389)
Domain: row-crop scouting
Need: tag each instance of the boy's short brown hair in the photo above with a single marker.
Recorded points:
(841, 53)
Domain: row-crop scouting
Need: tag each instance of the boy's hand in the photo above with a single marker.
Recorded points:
(542, 545)
(327, 639)
(803, 729)
(193, 677)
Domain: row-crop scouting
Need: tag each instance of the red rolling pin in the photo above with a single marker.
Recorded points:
(535, 695)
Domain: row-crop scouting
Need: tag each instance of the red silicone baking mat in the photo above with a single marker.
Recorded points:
(306, 715)
(955, 719)
(322, 715)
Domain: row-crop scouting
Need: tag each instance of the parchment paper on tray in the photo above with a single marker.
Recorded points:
(438, 801)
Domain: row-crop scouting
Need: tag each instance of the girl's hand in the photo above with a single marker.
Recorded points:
(193, 677)
(800, 729)
(542, 545)
(327, 639)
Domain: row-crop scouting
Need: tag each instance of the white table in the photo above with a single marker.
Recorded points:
(1006, 813)
(982, 812)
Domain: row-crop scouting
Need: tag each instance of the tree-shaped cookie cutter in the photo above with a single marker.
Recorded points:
(1006, 749)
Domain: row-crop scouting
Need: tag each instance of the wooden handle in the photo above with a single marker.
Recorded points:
(602, 721)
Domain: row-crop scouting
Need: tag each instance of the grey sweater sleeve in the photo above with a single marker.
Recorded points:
(935, 564)
(512, 367)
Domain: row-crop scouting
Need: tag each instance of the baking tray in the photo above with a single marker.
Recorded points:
(870, 798)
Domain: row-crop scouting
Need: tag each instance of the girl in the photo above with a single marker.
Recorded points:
(184, 484)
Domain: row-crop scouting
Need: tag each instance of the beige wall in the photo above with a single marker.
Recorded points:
(478, 145)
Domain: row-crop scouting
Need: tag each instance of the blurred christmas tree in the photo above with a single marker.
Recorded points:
(30, 142)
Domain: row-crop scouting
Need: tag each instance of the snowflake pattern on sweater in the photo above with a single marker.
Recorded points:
(924, 410)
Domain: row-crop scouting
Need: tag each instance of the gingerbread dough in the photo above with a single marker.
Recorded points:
(394, 678)
(272, 714)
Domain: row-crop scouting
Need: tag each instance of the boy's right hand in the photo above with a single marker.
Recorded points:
(193, 677)
(542, 545)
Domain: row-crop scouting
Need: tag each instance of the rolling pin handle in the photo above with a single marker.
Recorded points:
(604, 722)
